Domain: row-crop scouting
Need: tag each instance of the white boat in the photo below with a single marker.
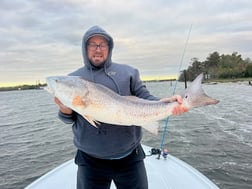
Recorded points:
(163, 173)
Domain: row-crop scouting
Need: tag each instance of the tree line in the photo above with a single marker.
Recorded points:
(218, 66)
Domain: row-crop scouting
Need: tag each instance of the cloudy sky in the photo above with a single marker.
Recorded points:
(40, 38)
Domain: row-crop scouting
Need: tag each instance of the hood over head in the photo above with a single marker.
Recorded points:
(93, 31)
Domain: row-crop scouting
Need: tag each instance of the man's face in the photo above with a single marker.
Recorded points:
(97, 50)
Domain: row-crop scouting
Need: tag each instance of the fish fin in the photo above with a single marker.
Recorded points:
(91, 121)
(195, 96)
(152, 127)
(78, 101)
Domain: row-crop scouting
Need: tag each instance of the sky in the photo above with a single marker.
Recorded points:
(40, 38)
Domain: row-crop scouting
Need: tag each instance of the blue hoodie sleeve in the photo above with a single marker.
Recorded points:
(139, 89)
(67, 118)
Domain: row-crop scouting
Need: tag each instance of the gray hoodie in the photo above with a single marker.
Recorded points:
(107, 141)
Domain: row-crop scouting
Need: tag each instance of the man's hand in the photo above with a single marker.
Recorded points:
(62, 107)
(174, 98)
(179, 109)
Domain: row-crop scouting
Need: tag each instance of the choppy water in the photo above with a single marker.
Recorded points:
(216, 140)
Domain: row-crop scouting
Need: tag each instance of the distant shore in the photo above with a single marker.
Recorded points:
(22, 87)
(215, 81)
(230, 80)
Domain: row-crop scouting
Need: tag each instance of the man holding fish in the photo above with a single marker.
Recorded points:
(108, 152)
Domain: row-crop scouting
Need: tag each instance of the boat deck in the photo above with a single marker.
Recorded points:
(169, 173)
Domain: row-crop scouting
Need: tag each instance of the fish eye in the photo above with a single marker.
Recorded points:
(186, 96)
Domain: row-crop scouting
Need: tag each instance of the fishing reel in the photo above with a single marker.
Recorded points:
(157, 151)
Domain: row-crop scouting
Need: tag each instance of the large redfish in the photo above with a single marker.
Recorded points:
(96, 103)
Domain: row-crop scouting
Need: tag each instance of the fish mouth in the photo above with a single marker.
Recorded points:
(50, 81)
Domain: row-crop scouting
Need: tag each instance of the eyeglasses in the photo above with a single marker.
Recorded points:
(94, 46)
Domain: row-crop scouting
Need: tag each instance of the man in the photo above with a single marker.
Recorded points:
(108, 152)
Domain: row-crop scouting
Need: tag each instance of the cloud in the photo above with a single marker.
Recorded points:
(41, 38)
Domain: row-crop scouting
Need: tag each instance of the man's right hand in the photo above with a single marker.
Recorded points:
(62, 107)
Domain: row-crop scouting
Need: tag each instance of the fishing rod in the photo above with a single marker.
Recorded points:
(175, 86)
(160, 150)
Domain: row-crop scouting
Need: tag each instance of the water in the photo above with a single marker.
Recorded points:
(216, 140)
